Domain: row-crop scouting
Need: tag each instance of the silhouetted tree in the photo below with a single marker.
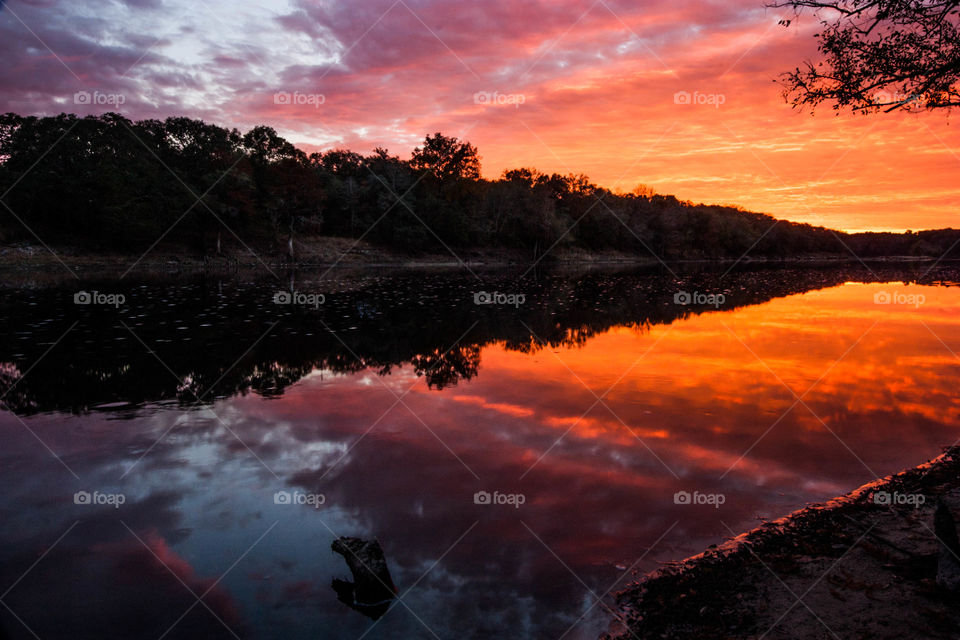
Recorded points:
(446, 158)
(286, 185)
(880, 55)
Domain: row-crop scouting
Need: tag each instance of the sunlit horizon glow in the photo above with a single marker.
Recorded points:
(587, 88)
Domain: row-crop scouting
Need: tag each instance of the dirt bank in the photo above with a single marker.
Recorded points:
(859, 566)
(311, 252)
(323, 251)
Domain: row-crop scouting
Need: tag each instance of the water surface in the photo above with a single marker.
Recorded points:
(398, 399)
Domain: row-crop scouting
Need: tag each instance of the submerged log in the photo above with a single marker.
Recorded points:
(372, 589)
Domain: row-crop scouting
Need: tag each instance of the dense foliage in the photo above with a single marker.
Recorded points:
(107, 183)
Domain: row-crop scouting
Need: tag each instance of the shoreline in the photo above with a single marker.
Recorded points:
(855, 566)
(339, 252)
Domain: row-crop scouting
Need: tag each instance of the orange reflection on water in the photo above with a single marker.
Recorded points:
(774, 405)
(718, 381)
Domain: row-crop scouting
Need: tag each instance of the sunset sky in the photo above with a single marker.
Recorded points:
(563, 86)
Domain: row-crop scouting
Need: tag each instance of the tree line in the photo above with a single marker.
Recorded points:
(109, 183)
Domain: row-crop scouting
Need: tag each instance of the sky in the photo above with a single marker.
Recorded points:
(673, 94)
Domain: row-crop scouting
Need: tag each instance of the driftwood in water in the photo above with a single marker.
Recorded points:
(372, 589)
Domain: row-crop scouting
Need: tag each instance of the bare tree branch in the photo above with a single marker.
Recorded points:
(879, 55)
